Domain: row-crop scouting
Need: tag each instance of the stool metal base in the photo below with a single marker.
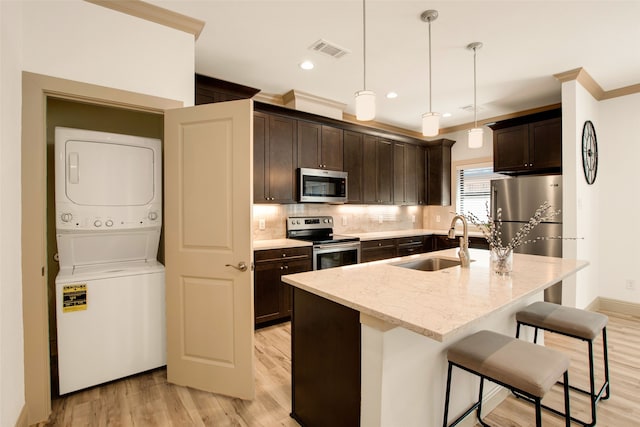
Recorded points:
(478, 405)
(594, 397)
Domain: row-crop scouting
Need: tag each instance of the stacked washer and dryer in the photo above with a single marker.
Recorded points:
(110, 299)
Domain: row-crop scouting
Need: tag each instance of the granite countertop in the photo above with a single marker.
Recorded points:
(375, 235)
(440, 304)
(259, 245)
(293, 243)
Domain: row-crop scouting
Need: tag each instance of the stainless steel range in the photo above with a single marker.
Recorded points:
(329, 250)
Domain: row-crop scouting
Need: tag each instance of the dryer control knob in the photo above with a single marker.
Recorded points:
(97, 223)
(109, 223)
(66, 217)
(153, 215)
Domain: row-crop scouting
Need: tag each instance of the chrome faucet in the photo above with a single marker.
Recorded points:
(463, 253)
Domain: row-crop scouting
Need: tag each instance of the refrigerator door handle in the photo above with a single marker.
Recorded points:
(493, 202)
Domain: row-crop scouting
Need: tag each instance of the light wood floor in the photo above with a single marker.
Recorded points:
(148, 400)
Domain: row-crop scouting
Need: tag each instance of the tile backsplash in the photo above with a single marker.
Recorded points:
(347, 218)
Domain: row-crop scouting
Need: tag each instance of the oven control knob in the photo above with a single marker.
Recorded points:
(153, 215)
(97, 223)
(66, 217)
(109, 223)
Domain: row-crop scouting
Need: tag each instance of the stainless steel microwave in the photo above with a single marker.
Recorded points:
(322, 186)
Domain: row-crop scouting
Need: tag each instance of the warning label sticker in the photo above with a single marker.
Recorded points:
(74, 297)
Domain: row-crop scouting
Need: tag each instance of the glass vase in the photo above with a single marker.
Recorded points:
(502, 262)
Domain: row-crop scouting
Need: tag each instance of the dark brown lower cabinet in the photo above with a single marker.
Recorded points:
(272, 298)
(374, 250)
(325, 362)
(444, 242)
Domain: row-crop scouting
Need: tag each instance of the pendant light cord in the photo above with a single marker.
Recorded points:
(475, 101)
(430, 66)
(364, 45)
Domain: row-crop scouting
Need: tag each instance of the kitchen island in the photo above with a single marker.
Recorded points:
(369, 340)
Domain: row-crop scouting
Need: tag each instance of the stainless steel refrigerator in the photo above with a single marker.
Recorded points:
(519, 198)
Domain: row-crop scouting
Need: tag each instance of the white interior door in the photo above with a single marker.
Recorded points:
(208, 196)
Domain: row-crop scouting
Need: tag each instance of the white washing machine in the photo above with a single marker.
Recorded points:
(110, 305)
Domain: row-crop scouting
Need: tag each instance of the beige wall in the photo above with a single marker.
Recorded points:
(11, 339)
(78, 41)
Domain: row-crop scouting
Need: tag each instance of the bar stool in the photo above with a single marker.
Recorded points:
(572, 322)
(518, 365)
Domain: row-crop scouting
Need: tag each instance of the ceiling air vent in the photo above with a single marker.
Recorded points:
(329, 48)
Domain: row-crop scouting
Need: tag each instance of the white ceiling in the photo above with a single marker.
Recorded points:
(260, 44)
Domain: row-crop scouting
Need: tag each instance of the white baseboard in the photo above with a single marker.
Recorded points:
(616, 306)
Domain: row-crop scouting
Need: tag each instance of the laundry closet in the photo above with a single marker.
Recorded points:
(106, 307)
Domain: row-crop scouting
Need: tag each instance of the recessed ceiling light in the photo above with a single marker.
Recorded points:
(446, 114)
(392, 95)
(306, 65)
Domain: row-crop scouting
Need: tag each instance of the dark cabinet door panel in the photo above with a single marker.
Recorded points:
(545, 148)
(331, 148)
(511, 148)
(282, 159)
(309, 140)
(353, 165)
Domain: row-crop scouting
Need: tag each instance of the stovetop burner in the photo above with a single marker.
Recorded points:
(317, 229)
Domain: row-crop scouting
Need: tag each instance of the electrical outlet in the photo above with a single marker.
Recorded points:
(413, 219)
(261, 224)
(380, 219)
(437, 218)
(630, 285)
(344, 220)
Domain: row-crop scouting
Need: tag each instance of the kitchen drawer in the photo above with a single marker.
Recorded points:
(410, 240)
(373, 244)
(411, 249)
(284, 253)
(374, 250)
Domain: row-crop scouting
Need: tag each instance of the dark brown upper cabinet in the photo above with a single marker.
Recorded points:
(405, 174)
(353, 165)
(209, 90)
(274, 159)
(439, 172)
(319, 146)
(377, 173)
(528, 144)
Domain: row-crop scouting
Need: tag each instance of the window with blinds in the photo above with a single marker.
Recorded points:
(474, 190)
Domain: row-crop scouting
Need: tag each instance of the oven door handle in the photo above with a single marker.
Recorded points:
(351, 245)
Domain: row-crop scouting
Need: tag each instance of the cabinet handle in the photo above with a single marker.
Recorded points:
(242, 266)
(284, 255)
(286, 267)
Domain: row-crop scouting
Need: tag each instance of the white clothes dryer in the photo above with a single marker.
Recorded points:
(110, 303)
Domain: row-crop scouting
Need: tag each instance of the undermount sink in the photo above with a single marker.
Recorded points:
(430, 264)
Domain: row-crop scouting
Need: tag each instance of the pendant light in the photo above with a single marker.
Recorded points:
(365, 99)
(430, 120)
(475, 134)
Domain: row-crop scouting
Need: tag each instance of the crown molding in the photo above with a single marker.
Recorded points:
(153, 13)
(589, 83)
(492, 120)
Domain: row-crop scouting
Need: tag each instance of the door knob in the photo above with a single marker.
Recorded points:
(242, 266)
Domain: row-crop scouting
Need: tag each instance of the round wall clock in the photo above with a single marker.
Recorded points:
(589, 152)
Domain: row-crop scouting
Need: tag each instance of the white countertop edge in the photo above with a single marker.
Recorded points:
(374, 235)
(259, 245)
